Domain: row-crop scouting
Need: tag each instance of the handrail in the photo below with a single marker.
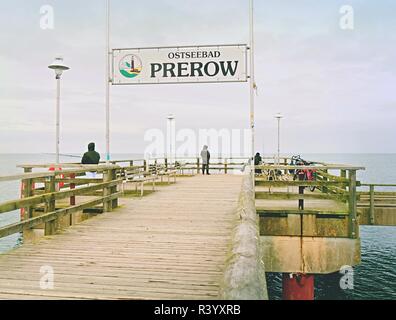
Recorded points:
(310, 167)
(73, 164)
(83, 168)
(377, 185)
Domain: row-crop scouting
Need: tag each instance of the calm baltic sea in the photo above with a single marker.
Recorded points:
(375, 278)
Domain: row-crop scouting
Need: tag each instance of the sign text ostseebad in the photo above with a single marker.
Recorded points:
(180, 65)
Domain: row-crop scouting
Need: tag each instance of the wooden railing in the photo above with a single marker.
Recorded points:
(42, 205)
(339, 188)
(182, 164)
(374, 199)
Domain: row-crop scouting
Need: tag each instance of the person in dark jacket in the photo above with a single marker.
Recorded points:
(91, 157)
(257, 161)
(205, 155)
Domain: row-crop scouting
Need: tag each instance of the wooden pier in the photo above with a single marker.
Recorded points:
(148, 229)
(172, 244)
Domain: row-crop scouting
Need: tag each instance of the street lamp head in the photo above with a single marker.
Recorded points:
(171, 117)
(58, 66)
(279, 116)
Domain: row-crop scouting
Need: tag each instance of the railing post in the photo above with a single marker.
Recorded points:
(72, 186)
(372, 199)
(107, 204)
(344, 175)
(50, 226)
(225, 166)
(155, 166)
(301, 192)
(27, 192)
(114, 202)
(285, 163)
(324, 188)
(198, 168)
(353, 232)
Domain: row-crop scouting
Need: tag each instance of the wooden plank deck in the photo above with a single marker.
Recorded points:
(169, 245)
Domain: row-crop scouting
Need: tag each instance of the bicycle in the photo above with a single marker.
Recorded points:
(307, 174)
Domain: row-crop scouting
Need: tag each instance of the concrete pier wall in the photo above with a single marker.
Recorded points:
(311, 255)
(244, 275)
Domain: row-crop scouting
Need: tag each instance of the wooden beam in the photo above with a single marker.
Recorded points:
(295, 196)
(270, 212)
(266, 183)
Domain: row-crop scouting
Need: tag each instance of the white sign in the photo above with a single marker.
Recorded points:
(227, 63)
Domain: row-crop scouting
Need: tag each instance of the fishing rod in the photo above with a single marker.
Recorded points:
(64, 155)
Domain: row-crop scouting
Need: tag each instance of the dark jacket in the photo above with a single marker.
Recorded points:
(91, 157)
(205, 154)
(257, 159)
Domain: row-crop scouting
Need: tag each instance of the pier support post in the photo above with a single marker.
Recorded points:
(298, 287)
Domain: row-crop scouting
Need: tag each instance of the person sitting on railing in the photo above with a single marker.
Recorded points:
(258, 160)
(205, 154)
(91, 157)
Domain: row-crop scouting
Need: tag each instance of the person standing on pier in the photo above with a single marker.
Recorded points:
(91, 158)
(257, 161)
(205, 155)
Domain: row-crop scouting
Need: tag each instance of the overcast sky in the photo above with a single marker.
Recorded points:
(335, 87)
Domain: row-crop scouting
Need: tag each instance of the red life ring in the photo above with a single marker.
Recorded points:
(62, 176)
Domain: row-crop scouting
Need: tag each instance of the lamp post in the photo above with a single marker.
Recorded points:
(279, 117)
(59, 67)
(171, 148)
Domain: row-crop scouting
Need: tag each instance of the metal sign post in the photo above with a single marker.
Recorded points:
(107, 81)
(252, 78)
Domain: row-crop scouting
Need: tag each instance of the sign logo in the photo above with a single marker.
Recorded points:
(130, 66)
